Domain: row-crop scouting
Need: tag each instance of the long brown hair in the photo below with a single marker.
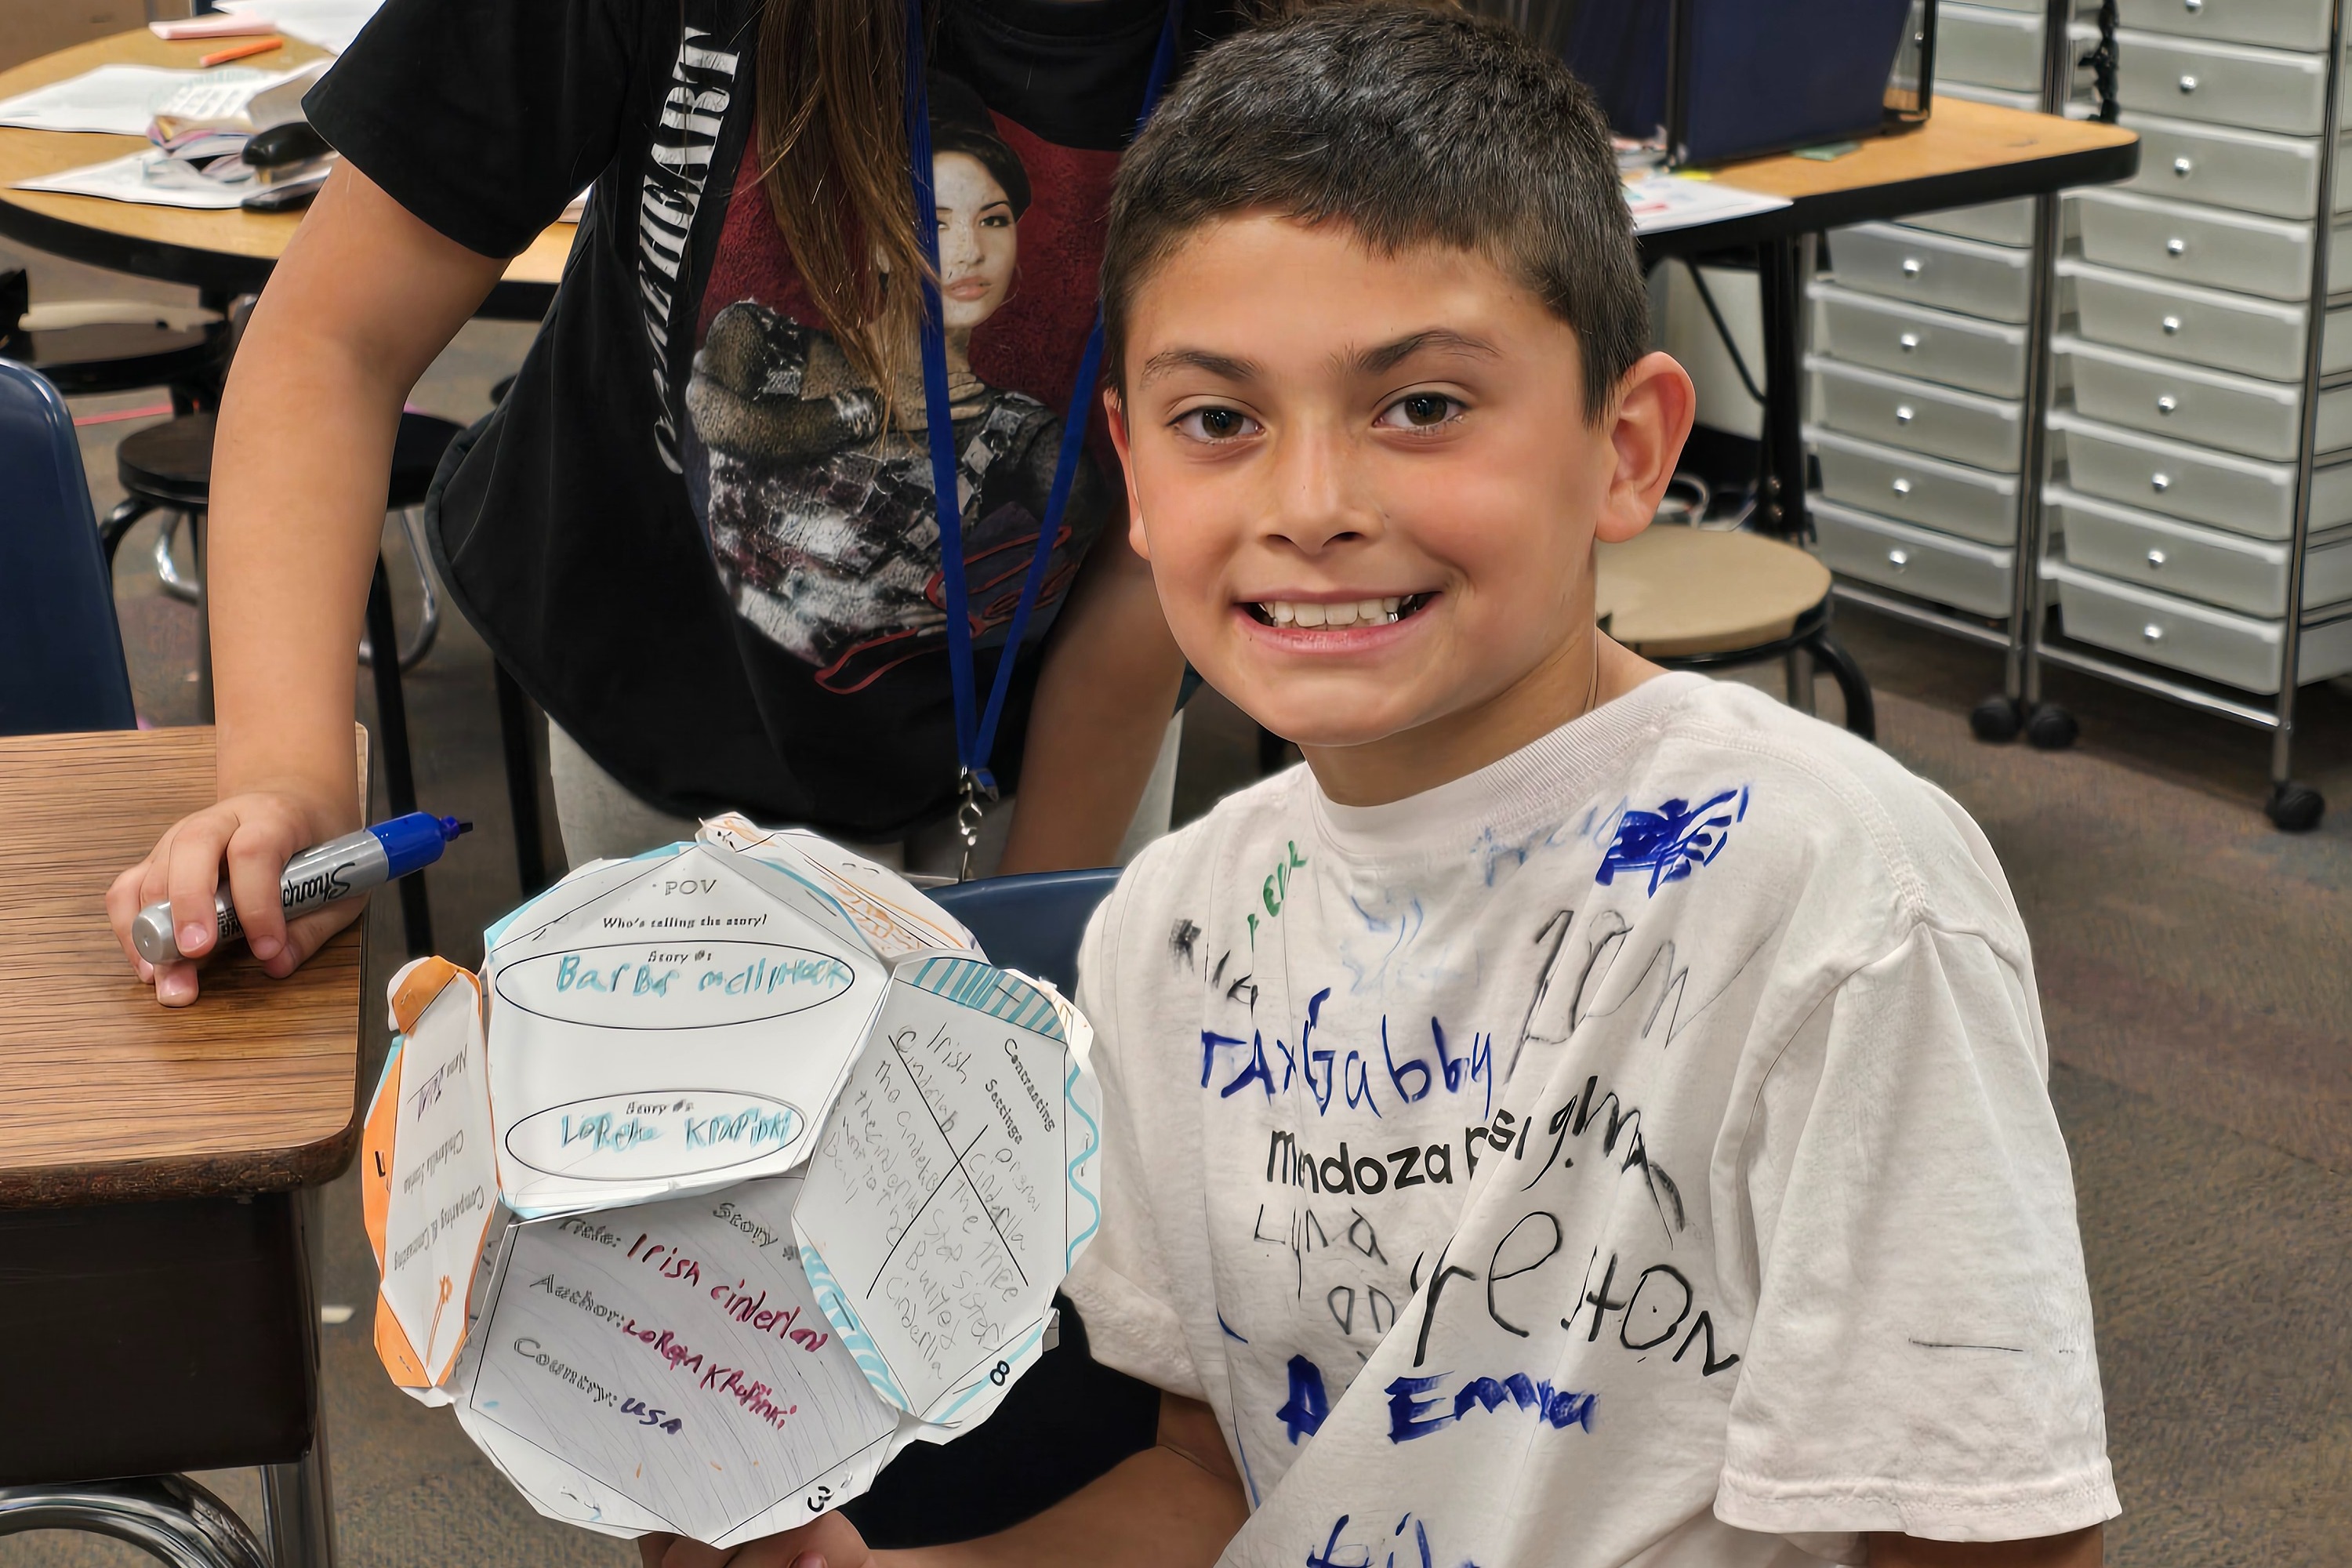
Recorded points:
(832, 144)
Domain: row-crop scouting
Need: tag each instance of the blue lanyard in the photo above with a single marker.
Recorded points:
(976, 729)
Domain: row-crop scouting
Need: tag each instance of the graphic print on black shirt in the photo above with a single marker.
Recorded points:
(817, 490)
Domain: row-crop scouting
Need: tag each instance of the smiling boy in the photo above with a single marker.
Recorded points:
(1586, 1115)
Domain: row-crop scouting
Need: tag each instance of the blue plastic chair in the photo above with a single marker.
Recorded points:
(1031, 923)
(1071, 1418)
(61, 664)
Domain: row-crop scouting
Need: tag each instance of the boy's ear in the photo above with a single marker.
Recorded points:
(1115, 413)
(1655, 405)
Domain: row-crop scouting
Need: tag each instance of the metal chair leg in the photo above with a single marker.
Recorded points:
(168, 1517)
(522, 781)
(1860, 713)
(1798, 663)
(301, 1509)
(167, 566)
(118, 524)
(429, 625)
(399, 775)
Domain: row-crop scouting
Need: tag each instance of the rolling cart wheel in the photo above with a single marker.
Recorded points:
(2294, 807)
(1996, 719)
(2052, 728)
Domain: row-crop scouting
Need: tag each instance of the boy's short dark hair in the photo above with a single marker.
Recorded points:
(1411, 125)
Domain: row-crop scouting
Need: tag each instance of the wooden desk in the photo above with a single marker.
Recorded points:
(104, 1096)
(223, 253)
(1966, 154)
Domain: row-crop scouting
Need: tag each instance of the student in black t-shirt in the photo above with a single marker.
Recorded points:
(700, 530)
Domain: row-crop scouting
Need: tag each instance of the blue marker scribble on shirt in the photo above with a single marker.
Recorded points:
(1673, 841)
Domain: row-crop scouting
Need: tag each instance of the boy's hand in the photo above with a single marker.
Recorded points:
(828, 1541)
(255, 834)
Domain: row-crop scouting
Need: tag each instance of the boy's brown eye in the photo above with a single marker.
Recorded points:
(1419, 411)
(1217, 424)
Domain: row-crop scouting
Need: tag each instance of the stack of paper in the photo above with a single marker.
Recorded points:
(739, 1170)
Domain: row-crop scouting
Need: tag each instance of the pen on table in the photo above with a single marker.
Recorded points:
(319, 876)
(238, 51)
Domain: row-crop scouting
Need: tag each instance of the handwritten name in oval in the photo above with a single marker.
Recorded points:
(681, 985)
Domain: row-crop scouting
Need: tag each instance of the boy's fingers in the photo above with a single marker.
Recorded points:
(309, 933)
(175, 983)
(192, 876)
(686, 1554)
(122, 906)
(258, 853)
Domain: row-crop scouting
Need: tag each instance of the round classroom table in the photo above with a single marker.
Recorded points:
(222, 253)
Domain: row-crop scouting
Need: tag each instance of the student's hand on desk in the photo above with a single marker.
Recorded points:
(256, 834)
(828, 1541)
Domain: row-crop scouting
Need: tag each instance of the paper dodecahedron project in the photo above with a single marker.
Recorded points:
(739, 1169)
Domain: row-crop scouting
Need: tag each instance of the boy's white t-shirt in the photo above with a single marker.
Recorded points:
(1636, 1151)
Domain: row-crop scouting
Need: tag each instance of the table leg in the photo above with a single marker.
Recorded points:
(299, 1503)
(1780, 281)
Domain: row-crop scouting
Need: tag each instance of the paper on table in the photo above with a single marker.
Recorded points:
(153, 178)
(666, 1368)
(329, 24)
(682, 1021)
(954, 1186)
(429, 1183)
(1661, 201)
(112, 100)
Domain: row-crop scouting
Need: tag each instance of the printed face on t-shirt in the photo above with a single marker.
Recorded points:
(980, 242)
(818, 487)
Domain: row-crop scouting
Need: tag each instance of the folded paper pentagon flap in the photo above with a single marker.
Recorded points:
(665, 1367)
(681, 1021)
(954, 1187)
(429, 1190)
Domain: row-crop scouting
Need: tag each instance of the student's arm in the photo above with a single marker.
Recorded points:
(364, 298)
(1104, 699)
(1173, 1505)
(2079, 1549)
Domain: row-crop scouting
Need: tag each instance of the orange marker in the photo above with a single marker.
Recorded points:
(238, 51)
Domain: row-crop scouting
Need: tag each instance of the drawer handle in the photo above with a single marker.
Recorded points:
(1898, 559)
(1903, 414)
(2167, 403)
(2152, 632)
(2160, 483)
(2171, 325)
(2176, 247)
(1909, 340)
(2182, 168)
(1910, 266)
(1902, 487)
(2188, 84)
(2156, 559)
(2193, 6)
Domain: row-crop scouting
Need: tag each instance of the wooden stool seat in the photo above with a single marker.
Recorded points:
(1672, 591)
(1690, 598)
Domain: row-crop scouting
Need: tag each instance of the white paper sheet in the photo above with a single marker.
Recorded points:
(149, 178)
(954, 1186)
(1661, 201)
(112, 100)
(666, 1367)
(681, 1021)
(329, 24)
(441, 1183)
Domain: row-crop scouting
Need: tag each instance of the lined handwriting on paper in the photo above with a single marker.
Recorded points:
(940, 1209)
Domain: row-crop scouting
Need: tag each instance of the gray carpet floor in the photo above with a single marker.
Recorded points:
(2194, 973)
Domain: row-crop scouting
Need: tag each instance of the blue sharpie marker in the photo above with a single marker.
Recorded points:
(339, 868)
